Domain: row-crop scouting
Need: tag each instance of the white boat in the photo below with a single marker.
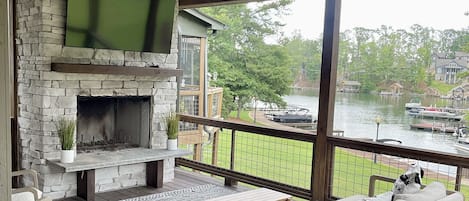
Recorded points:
(439, 115)
(462, 143)
(413, 104)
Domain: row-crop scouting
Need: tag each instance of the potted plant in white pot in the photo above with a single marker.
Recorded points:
(66, 130)
(172, 124)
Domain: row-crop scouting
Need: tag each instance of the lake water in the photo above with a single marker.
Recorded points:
(356, 113)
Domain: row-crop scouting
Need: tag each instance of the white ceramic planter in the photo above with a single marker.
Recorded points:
(172, 144)
(67, 156)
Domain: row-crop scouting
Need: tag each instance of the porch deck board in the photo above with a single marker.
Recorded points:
(182, 179)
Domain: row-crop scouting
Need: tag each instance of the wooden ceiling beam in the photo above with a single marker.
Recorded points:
(185, 4)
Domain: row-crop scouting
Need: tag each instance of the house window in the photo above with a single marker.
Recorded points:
(190, 60)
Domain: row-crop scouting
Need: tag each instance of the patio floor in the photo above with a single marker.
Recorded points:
(183, 179)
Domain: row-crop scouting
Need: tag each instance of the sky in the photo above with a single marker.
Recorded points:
(307, 16)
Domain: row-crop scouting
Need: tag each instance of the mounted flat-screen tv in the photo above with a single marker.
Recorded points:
(135, 25)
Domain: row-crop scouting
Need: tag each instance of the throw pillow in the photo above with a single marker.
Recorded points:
(432, 192)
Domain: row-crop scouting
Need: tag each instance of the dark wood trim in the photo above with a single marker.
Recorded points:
(15, 140)
(330, 171)
(86, 185)
(115, 70)
(322, 157)
(250, 128)
(216, 140)
(233, 149)
(154, 173)
(14, 151)
(197, 152)
(185, 4)
(249, 179)
(401, 151)
(458, 183)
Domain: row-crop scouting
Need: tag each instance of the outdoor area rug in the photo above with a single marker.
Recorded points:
(196, 193)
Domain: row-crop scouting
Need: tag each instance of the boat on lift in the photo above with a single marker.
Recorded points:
(297, 115)
(414, 104)
(436, 113)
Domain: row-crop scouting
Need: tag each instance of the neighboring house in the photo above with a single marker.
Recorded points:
(396, 88)
(393, 90)
(460, 92)
(196, 97)
(447, 69)
(457, 93)
(462, 56)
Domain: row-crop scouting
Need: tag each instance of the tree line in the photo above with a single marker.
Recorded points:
(248, 67)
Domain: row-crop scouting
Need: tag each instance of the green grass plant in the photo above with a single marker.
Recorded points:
(65, 130)
(243, 115)
(172, 123)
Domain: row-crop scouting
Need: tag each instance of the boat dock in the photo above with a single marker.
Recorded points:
(305, 126)
(434, 127)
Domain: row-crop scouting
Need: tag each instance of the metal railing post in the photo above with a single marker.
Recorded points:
(231, 181)
(216, 135)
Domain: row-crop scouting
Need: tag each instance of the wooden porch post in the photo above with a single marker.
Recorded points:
(6, 54)
(323, 152)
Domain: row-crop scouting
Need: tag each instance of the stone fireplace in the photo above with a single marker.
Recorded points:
(113, 111)
(112, 123)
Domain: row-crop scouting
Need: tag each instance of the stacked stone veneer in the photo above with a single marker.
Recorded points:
(46, 96)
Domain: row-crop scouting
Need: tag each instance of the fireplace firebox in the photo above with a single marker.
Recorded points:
(113, 123)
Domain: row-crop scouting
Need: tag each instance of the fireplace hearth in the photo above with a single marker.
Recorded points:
(112, 123)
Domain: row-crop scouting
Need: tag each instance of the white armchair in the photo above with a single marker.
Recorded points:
(28, 193)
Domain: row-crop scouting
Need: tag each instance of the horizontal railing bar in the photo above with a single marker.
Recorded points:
(249, 179)
(401, 151)
(251, 128)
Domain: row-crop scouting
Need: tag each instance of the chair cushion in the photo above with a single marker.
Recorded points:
(457, 196)
(23, 196)
(432, 192)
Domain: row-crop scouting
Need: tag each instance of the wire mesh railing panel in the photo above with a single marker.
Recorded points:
(282, 160)
(218, 151)
(188, 105)
(352, 170)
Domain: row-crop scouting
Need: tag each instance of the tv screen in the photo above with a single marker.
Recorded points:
(136, 25)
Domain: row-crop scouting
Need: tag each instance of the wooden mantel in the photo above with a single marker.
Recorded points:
(115, 70)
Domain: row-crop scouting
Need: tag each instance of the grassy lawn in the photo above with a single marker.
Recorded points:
(442, 87)
(244, 116)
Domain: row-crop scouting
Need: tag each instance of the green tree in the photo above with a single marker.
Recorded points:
(246, 65)
(304, 53)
